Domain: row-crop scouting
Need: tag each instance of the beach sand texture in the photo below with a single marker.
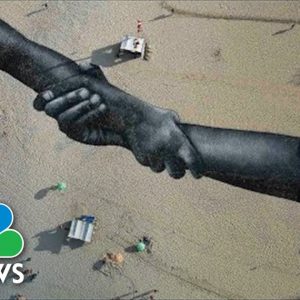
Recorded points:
(211, 240)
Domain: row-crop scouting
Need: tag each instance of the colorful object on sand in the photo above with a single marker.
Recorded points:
(117, 258)
(140, 247)
(61, 186)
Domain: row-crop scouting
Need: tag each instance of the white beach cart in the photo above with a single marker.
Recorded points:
(134, 45)
(82, 228)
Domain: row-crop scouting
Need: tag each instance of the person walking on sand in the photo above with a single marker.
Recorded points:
(139, 27)
(25, 260)
(27, 272)
(32, 276)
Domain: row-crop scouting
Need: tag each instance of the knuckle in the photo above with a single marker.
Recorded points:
(95, 100)
(177, 175)
(84, 93)
(141, 159)
(102, 107)
(156, 163)
(197, 175)
(47, 95)
(156, 169)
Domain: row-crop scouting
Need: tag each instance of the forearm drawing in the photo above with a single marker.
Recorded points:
(90, 110)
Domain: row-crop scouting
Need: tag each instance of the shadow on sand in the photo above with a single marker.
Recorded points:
(161, 17)
(36, 12)
(43, 192)
(97, 266)
(107, 56)
(130, 249)
(54, 239)
(101, 267)
(126, 295)
(139, 296)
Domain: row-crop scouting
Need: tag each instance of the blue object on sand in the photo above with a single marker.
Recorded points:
(88, 218)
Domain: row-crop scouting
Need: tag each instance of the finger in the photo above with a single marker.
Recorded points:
(73, 114)
(57, 90)
(103, 137)
(156, 164)
(60, 104)
(192, 160)
(175, 167)
(92, 116)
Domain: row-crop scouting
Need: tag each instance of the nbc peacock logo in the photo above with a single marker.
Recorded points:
(11, 241)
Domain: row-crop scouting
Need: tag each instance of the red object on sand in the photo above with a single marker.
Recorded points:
(139, 26)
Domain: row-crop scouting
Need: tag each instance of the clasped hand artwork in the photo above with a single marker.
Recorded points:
(149, 150)
(91, 110)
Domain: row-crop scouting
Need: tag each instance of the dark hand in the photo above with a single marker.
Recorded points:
(94, 112)
(80, 104)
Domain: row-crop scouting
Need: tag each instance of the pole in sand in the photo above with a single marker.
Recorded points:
(139, 27)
